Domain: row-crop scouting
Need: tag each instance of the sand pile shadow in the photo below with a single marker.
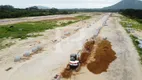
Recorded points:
(104, 55)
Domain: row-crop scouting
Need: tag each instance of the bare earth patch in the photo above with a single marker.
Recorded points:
(88, 47)
(65, 18)
(104, 55)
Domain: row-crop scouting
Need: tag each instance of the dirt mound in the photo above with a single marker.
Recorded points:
(103, 57)
(89, 45)
(67, 73)
(84, 56)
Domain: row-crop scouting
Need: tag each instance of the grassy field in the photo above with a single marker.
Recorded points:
(21, 30)
(125, 21)
(82, 17)
(25, 29)
(136, 45)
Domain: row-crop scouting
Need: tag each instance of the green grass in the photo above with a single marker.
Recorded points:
(135, 24)
(136, 45)
(20, 30)
(28, 29)
(80, 17)
(83, 17)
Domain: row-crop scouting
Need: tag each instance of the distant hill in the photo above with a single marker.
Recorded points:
(38, 7)
(126, 4)
(42, 7)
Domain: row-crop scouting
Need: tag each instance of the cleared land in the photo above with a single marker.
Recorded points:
(58, 45)
(27, 19)
(48, 39)
(32, 29)
(135, 33)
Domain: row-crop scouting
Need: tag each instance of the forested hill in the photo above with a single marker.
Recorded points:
(8, 11)
(133, 14)
(126, 4)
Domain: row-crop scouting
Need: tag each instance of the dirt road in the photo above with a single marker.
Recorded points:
(7, 55)
(45, 67)
(26, 19)
(53, 61)
(127, 65)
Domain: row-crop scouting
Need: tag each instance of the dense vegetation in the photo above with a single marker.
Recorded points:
(7, 11)
(136, 45)
(133, 14)
(133, 17)
(92, 10)
(135, 23)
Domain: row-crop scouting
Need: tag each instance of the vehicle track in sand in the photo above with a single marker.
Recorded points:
(127, 65)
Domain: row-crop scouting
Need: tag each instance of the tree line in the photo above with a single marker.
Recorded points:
(133, 13)
(8, 11)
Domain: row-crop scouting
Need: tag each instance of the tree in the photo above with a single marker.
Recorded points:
(64, 12)
(32, 8)
(53, 11)
(6, 7)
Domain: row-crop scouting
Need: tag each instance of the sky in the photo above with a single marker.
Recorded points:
(60, 3)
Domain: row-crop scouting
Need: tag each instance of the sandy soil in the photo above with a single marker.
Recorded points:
(49, 40)
(38, 18)
(137, 33)
(127, 65)
(45, 67)
(53, 59)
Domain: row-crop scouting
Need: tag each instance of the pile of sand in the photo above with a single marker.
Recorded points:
(66, 73)
(88, 46)
(84, 57)
(104, 55)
